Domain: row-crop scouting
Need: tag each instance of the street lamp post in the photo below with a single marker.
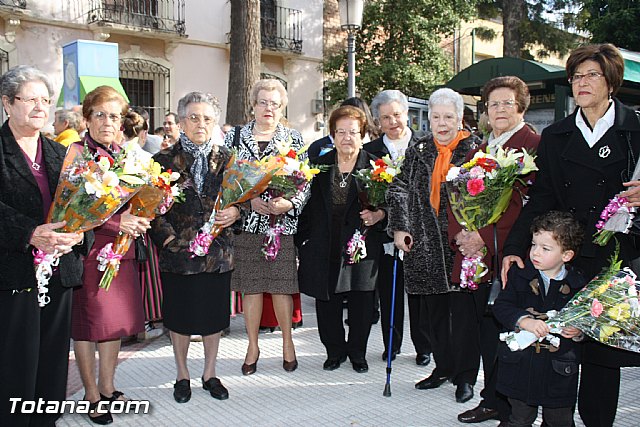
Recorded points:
(351, 21)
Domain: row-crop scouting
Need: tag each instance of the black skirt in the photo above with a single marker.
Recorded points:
(196, 304)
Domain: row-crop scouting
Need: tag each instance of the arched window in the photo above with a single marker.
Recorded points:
(147, 85)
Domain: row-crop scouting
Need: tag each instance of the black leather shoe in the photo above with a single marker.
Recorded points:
(360, 365)
(215, 388)
(478, 415)
(182, 391)
(464, 392)
(333, 363)
(104, 418)
(431, 381)
(423, 359)
(250, 369)
(393, 355)
(290, 366)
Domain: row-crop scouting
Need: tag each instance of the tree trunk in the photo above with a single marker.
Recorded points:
(513, 12)
(244, 59)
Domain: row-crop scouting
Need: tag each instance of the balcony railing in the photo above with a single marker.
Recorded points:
(157, 15)
(282, 30)
(22, 4)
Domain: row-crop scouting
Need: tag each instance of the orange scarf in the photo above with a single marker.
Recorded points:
(442, 166)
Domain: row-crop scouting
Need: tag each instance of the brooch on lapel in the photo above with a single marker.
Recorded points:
(535, 286)
(604, 152)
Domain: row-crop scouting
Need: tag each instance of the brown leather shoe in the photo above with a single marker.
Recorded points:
(478, 415)
(250, 369)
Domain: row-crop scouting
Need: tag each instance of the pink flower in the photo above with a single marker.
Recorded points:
(596, 308)
(475, 186)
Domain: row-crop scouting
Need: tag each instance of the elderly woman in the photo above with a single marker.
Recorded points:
(101, 318)
(506, 100)
(35, 341)
(196, 290)
(584, 160)
(254, 274)
(66, 125)
(327, 224)
(391, 110)
(417, 202)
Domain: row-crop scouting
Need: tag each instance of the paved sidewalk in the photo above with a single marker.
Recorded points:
(308, 397)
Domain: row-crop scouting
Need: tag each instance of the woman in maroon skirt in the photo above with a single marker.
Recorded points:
(100, 318)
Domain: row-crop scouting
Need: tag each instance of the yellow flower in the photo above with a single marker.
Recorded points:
(619, 311)
(600, 289)
(606, 331)
(386, 176)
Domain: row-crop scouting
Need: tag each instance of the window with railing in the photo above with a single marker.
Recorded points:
(280, 27)
(159, 15)
(22, 4)
(147, 86)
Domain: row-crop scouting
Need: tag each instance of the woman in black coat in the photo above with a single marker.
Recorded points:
(326, 224)
(584, 160)
(34, 339)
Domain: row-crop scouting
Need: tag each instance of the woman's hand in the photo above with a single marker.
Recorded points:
(506, 265)
(279, 205)
(260, 206)
(46, 239)
(537, 327)
(632, 194)
(403, 241)
(469, 243)
(133, 225)
(227, 217)
(370, 218)
(570, 332)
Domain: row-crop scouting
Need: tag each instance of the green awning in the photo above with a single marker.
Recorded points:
(89, 83)
(631, 65)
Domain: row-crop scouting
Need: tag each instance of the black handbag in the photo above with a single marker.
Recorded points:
(142, 254)
(496, 283)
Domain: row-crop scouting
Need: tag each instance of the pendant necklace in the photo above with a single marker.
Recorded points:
(343, 179)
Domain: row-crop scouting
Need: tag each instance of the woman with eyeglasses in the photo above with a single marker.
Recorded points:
(327, 223)
(196, 290)
(34, 339)
(254, 275)
(584, 160)
(100, 318)
(506, 100)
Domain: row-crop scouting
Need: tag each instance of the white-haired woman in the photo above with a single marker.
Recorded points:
(418, 220)
(254, 275)
(390, 108)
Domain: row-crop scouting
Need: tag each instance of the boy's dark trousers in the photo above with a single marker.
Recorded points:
(523, 415)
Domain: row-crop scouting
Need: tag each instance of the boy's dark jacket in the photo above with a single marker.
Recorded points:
(546, 378)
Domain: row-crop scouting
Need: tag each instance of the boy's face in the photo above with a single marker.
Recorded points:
(547, 255)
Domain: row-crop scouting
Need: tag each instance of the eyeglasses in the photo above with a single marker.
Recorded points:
(102, 116)
(353, 133)
(45, 102)
(397, 116)
(197, 118)
(591, 77)
(493, 105)
(264, 103)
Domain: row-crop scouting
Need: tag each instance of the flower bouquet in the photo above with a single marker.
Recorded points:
(372, 184)
(479, 193)
(293, 177)
(149, 201)
(90, 190)
(616, 217)
(242, 181)
(607, 309)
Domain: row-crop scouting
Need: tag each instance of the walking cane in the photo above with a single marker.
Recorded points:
(387, 386)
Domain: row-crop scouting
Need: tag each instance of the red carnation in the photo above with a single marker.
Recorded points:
(292, 154)
(380, 163)
(475, 186)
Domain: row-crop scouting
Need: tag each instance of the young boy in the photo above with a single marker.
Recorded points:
(541, 375)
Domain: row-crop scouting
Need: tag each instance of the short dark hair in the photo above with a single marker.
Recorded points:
(564, 228)
(348, 112)
(520, 88)
(606, 55)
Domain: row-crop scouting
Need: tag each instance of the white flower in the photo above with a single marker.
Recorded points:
(104, 164)
(291, 165)
(93, 186)
(529, 163)
(174, 176)
(476, 172)
(110, 179)
(453, 173)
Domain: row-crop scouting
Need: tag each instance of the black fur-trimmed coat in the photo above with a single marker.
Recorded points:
(427, 268)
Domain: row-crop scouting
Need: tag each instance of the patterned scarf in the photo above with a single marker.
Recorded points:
(498, 141)
(200, 154)
(441, 166)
